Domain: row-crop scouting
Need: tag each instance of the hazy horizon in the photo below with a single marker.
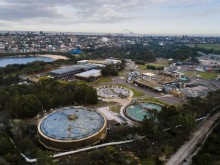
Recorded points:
(109, 33)
(152, 17)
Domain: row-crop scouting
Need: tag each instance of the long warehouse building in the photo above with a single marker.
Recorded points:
(72, 70)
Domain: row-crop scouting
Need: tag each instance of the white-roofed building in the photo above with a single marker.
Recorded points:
(90, 75)
(112, 61)
(82, 62)
(148, 74)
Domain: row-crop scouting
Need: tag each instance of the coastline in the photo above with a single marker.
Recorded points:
(55, 57)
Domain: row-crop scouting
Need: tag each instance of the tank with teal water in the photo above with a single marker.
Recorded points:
(138, 111)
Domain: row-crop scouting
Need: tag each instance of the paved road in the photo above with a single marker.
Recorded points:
(188, 147)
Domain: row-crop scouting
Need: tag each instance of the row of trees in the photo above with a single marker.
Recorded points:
(23, 101)
(152, 67)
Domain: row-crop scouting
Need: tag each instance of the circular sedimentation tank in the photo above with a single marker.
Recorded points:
(113, 91)
(138, 111)
(71, 127)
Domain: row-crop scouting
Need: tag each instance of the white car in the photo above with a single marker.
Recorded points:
(136, 85)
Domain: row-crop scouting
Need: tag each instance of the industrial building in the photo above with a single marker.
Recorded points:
(148, 85)
(112, 61)
(69, 71)
(82, 62)
(148, 75)
(71, 127)
(90, 75)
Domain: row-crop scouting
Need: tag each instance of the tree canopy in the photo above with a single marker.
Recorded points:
(23, 101)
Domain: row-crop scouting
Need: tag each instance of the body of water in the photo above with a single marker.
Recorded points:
(22, 60)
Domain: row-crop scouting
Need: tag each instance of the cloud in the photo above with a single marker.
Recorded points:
(78, 10)
(82, 11)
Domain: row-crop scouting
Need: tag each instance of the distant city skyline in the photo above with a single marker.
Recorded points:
(153, 17)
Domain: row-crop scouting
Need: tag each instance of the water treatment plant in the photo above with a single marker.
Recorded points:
(71, 127)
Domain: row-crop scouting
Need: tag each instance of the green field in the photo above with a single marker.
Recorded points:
(152, 99)
(115, 108)
(216, 47)
(158, 63)
(208, 75)
(205, 75)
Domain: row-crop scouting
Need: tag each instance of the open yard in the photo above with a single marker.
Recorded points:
(159, 63)
(208, 75)
(216, 47)
(154, 100)
(205, 75)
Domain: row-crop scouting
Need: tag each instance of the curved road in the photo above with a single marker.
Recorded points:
(188, 147)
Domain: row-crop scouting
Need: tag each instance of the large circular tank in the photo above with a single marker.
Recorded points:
(113, 91)
(138, 111)
(71, 127)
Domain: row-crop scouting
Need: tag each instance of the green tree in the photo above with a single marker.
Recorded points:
(23, 106)
(44, 158)
(5, 145)
(109, 71)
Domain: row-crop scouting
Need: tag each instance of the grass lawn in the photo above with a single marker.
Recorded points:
(101, 80)
(205, 75)
(136, 93)
(121, 73)
(208, 75)
(152, 99)
(158, 63)
(189, 73)
(216, 47)
(43, 78)
(143, 67)
(115, 108)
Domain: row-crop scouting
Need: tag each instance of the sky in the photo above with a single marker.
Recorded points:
(158, 17)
